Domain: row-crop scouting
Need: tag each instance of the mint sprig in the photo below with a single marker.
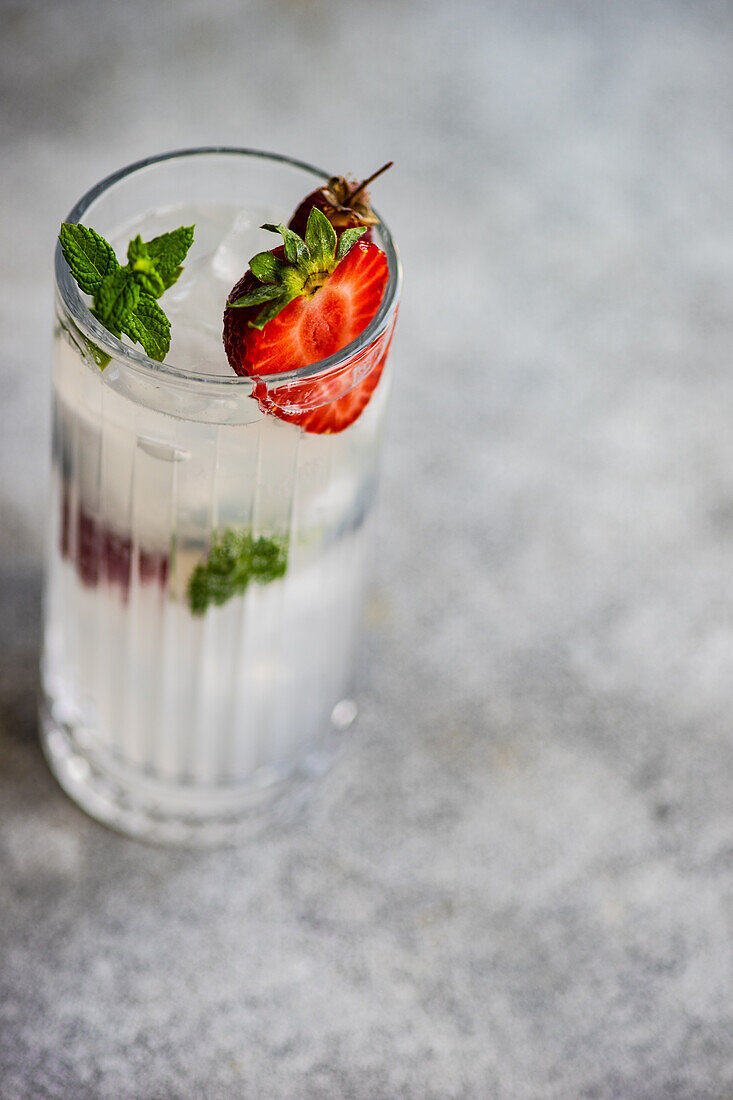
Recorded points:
(89, 256)
(235, 559)
(302, 271)
(124, 298)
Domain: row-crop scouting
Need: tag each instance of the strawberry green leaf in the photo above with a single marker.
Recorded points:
(89, 256)
(347, 238)
(149, 326)
(301, 272)
(267, 267)
(116, 297)
(296, 251)
(271, 309)
(257, 297)
(320, 239)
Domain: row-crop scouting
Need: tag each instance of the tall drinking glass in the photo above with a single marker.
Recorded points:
(162, 717)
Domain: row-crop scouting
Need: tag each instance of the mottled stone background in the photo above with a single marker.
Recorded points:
(518, 885)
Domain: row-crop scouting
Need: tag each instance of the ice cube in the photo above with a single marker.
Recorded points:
(195, 304)
(237, 248)
(195, 307)
(198, 346)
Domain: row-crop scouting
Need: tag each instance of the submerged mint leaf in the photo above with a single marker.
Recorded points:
(124, 297)
(268, 560)
(83, 344)
(89, 256)
(235, 558)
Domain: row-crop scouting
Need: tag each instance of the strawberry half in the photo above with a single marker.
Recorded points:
(299, 304)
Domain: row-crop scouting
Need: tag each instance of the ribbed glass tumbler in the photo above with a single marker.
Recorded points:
(168, 718)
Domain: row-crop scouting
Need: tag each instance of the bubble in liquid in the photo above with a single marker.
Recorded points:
(343, 714)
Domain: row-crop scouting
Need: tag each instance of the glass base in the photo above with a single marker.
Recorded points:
(187, 815)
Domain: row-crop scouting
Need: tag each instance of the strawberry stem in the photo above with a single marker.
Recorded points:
(369, 179)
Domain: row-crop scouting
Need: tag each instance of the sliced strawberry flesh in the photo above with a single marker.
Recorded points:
(308, 330)
(337, 414)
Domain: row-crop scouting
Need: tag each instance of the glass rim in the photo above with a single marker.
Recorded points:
(138, 361)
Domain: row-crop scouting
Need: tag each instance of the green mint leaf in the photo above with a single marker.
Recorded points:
(150, 281)
(262, 294)
(235, 558)
(143, 267)
(347, 238)
(296, 250)
(89, 256)
(267, 267)
(149, 326)
(114, 299)
(320, 239)
(84, 346)
(124, 297)
(137, 250)
(168, 251)
(268, 560)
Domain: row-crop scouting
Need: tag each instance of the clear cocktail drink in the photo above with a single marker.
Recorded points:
(165, 714)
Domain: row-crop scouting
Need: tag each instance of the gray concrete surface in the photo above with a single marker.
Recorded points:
(518, 885)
